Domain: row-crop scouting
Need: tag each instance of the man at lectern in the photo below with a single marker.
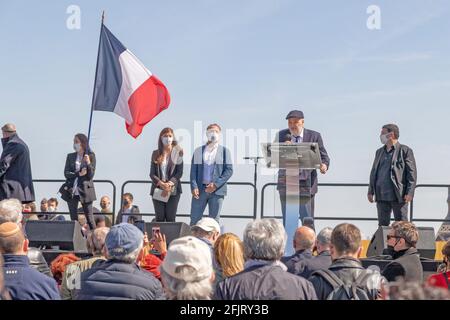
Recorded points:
(296, 133)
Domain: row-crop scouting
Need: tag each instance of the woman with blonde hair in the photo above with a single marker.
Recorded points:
(229, 254)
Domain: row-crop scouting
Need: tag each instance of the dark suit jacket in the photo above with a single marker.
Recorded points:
(223, 169)
(133, 216)
(403, 171)
(175, 172)
(15, 170)
(308, 136)
(85, 183)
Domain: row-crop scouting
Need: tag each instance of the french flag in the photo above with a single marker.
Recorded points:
(123, 85)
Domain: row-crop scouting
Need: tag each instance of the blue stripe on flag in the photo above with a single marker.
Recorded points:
(109, 76)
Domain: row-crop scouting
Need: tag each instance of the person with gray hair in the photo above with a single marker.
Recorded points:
(187, 272)
(71, 276)
(264, 276)
(11, 211)
(16, 180)
(322, 260)
(120, 277)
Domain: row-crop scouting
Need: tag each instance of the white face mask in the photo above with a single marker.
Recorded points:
(212, 136)
(51, 209)
(77, 147)
(167, 140)
(384, 138)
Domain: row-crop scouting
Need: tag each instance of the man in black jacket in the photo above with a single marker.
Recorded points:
(393, 177)
(345, 249)
(264, 277)
(323, 259)
(15, 167)
(129, 212)
(304, 239)
(403, 237)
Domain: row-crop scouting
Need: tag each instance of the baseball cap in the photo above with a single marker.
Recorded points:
(123, 239)
(188, 251)
(208, 225)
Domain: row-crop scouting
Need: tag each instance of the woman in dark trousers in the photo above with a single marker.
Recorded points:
(166, 171)
(79, 187)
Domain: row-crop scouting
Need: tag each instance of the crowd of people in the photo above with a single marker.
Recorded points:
(125, 263)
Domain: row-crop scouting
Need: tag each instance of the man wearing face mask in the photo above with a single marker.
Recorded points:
(15, 167)
(393, 177)
(296, 133)
(210, 170)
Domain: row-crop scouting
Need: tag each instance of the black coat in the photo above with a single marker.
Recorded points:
(109, 279)
(85, 183)
(294, 263)
(308, 136)
(347, 269)
(403, 171)
(304, 264)
(16, 180)
(175, 172)
(269, 282)
(408, 266)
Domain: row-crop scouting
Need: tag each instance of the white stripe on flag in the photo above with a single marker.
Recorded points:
(134, 74)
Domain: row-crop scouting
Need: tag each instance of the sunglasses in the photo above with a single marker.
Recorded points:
(389, 237)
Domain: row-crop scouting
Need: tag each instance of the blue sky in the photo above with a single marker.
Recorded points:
(243, 64)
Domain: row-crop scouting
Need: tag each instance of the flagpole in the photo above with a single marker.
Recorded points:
(95, 78)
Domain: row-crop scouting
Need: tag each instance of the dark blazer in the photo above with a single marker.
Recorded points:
(269, 282)
(16, 180)
(133, 216)
(303, 263)
(174, 170)
(403, 171)
(223, 169)
(85, 183)
(308, 136)
(408, 266)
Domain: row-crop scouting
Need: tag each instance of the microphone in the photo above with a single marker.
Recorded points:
(288, 138)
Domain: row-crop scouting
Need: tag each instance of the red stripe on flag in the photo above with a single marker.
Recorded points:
(145, 103)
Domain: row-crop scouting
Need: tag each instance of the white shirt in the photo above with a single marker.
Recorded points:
(77, 170)
(209, 159)
(293, 140)
(164, 169)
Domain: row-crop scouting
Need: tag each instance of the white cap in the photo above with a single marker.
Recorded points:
(188, 251)
(208, 225)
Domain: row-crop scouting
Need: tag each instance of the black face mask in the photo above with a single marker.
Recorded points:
(389, 251)
(126, 202)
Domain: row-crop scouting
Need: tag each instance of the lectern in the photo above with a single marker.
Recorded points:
(297, 159)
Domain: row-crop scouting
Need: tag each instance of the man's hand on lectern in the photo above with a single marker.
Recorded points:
(323, 168)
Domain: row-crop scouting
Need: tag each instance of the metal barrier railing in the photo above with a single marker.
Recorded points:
(412, 219)
(316, 217)
(63, 180)
(447, 219)
(255, 199)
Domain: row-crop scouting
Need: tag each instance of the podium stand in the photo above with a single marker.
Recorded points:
(298, 159)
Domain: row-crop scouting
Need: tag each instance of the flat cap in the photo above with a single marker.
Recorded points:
(295, 114)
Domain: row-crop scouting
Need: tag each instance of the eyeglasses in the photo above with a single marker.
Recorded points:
(389, 237)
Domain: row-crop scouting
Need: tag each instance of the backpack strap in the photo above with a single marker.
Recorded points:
(330, 277)
(360, 281)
